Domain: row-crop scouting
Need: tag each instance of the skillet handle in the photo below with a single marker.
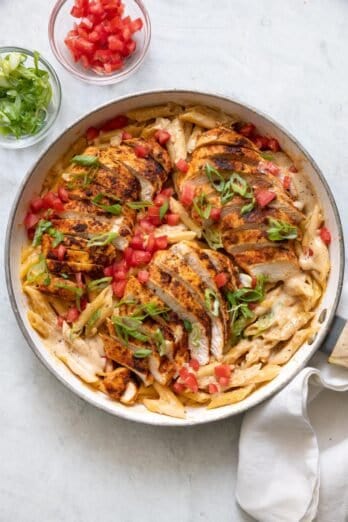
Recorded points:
(336, 343)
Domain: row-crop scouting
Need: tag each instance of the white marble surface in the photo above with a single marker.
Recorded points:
(62, 460)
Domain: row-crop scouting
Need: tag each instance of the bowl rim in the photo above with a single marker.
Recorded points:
(27, 141)
(156, 419)
(109, 79)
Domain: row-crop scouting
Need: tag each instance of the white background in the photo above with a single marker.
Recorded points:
(62, 460)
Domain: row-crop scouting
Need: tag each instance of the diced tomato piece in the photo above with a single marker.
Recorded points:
(178, 387)
(83, 303)
(150, 244)
(247, 130)
(143, 276)
(146, 225)
(128, 255)
(264, 197)
(139, 257)
(31, 220)
(118, 288)
(83, 45)
(126, 33)
(191, 382)
(261, 142)
(286, 182)
(116, 123)
(85, 61)
(51, 200)
(273, 145)
(212, 388)
(136, 25)
(61, 251)
(168, 192)
(108, 271)
(154, 215)
(224, 381)
(92, 133)
(120, 275)
(36, 205)
(161, 242)
(126, 136)
(72, 315)
(94, 36)
(194, 363)
(187, 194)
(182, 165)
(222, 370)
(137, 242)
(173, 219)
(184, 373)
(96, 7)
(268, 166)
(215, 214)
(115, 44)
(63, 194)
(162, 136)
(141, 151)
(293, 169)
(77, 12)
(325, 235)
(160, 199)
(221, 279)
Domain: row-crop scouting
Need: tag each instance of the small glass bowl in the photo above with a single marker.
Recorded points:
(11, 142)
(61, 22)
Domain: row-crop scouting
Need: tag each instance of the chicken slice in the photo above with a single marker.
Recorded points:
(177, 297)
(176, 266)
(224, 136)
(277, 264)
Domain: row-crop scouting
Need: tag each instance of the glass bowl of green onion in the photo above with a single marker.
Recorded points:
(30, 97)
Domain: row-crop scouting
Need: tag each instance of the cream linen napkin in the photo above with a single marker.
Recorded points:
(293, 450)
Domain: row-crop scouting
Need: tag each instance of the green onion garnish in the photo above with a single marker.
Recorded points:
(102, 239)
(280, 230)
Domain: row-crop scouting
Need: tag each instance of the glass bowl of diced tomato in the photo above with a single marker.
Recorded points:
(100, 41)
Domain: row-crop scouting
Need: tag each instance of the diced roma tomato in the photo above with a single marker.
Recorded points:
(215, 214)
(212, 388)
(51, 200)
(31, 220)
(264, 197)
(126, 136)
(136, 25)
(61, 251)
(191, 382)
(194, 364)
(268, 166)
(143, 276)
(118, 288)
(146, 225)
(116, 123)
(120, 265)
(273, 145)
(115, 43)
(161, 242)
(92, 133)
(140, 257)
(187, 194)
(247, 130)
(150, 244)
(36, 205)
(325, 235)
(184, 373)
(72, 315)
(160, 199)
(120, 275)
(63, 194)
(109, 271)
(222, 370)
(173, 219)
(154, 215)
(178, 387)
(286, 182)
(168, 192)
(128, 255)
(137, 242)
(221, 279)
(182, 165)
(162, 136)
(141, 151)
(261, 142)
(293, 169)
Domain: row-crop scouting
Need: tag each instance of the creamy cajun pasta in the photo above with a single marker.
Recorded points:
(176, 257)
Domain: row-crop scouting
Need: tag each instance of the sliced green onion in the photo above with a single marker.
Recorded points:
(137, 205)
(142, 353)
(280, 230)
(58, 236)
(163, 210)
(41, 228)
(102, 239)
(98, 284)
(211, 301)
(213, 238)
(248, 207)
(160, 342)
(187, 325)
(115, 209)
(195, 335)
(38, 273)
(92, 320)
(85, 160)
(202, 206)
